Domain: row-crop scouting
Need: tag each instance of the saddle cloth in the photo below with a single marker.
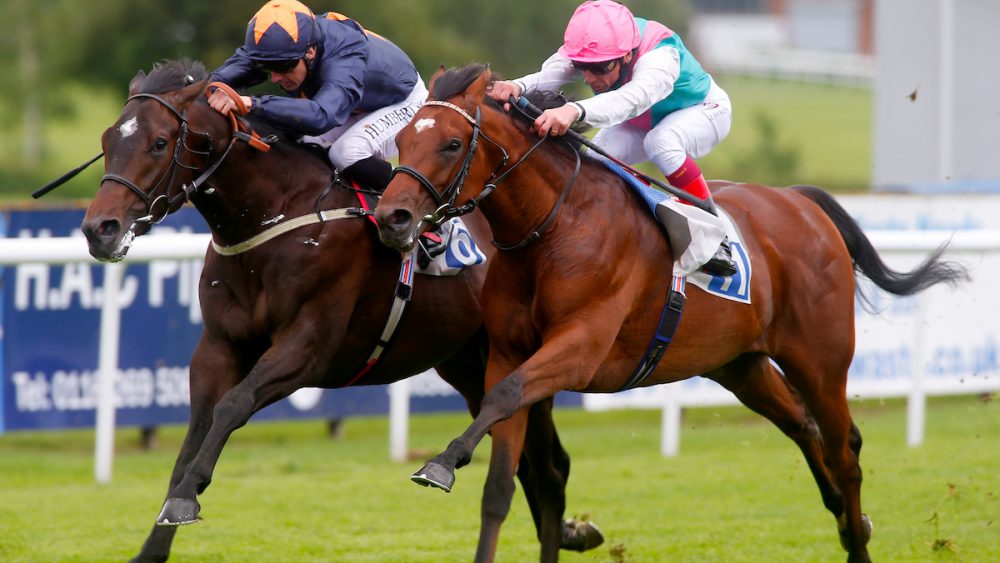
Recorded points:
(694, 236)
(460, 250)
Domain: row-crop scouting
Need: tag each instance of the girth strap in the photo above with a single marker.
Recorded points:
(404, 289)
(669, 319)
(284, 227)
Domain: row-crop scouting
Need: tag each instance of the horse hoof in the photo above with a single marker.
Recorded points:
(580, 535)
(866, 532)
(178, 512)
(434, 475)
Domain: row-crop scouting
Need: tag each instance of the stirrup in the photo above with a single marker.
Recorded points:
(431, 245)
(721, 263)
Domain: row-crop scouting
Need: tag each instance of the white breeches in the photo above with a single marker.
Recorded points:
(693, 131)
(370, 134)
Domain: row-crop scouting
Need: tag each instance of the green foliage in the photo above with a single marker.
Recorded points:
(795, 133)
(739, 491)
(768, 161)
(87, 56)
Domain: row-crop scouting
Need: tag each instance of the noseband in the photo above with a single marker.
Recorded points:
(158, 205)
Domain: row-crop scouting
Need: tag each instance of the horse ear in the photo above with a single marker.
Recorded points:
(430, 85)
(476, 91)
(136, 83)
(188, 94)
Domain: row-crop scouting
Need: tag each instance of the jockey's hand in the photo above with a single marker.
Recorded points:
(222, 103)
(556, 121)
(502, 90)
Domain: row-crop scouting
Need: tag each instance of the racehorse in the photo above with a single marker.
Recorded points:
(286, 308)
(573, 298)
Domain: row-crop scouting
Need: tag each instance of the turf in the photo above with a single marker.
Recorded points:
(739, 491)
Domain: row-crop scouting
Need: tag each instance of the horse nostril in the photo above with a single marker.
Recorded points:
(108, 229)
(101, 231)
(400, 218)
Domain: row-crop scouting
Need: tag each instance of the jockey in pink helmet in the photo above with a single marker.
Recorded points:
(652, 98)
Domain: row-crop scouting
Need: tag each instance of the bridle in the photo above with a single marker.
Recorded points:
(159, 205)
(445, 199)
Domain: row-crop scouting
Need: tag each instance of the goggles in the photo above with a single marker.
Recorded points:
(280, 67)
(599, 68)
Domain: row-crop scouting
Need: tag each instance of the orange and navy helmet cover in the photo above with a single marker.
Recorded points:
(280, 30)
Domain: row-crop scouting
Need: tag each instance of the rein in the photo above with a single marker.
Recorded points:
(447, 209)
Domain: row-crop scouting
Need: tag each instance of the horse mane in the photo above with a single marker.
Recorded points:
(172, 74)
(457, 80)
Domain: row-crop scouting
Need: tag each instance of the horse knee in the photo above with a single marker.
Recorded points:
(505, 397)
(234, 409)
(497, 495)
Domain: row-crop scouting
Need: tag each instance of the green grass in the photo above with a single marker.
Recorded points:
(821, 136)
(739, 491)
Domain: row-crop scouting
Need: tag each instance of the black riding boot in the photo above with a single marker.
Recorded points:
(721, 263)
(372, 173)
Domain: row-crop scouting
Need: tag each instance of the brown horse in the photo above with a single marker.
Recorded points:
(306, 308)
(574, 297)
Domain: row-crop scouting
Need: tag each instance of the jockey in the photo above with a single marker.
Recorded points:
(652, 98)
(351, 90)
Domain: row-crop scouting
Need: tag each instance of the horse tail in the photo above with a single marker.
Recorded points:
(931, 271)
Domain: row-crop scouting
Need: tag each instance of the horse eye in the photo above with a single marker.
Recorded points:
(453, 145)
(160, 145)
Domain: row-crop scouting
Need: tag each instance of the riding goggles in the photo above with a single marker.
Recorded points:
(599, 68)
(280, 67)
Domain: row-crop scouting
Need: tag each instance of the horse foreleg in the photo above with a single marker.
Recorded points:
(212, 372)
(543, 374)
(276, 375)
(508, 442)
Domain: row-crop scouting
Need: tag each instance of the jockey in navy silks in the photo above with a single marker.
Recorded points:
(350, 90)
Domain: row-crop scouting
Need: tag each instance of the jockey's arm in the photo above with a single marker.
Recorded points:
(556, 71)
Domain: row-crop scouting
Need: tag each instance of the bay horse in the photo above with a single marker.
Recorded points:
(573, 298)
(306, 308)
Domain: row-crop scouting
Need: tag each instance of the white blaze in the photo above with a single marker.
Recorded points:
(422, 124)
(128, 128)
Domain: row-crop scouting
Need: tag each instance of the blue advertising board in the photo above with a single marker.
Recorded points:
(49, 341)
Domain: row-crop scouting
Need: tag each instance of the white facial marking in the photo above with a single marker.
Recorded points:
(128, 128)
(422, 124)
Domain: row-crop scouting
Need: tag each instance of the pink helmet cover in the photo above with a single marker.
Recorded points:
(600, 30)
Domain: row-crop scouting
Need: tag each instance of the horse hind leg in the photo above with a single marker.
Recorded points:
(763, 390)
(821, 382)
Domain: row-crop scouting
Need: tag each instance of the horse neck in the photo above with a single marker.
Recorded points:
(524, 198)
(252, 190)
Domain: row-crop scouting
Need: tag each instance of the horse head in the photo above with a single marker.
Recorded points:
(444, 165)
(152, 155)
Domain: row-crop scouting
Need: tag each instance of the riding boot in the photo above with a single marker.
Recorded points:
(372, 173)
(692, 181)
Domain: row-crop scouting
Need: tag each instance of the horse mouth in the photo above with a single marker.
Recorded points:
(398, 241)
(397, 229)
(104, 242)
